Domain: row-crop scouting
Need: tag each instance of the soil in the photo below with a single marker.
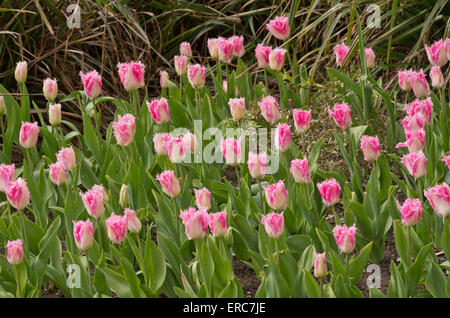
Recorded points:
(249, 281)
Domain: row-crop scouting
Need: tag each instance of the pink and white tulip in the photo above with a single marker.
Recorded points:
(283, 137)
(159, 110)
(57, 173)
(276, 195)
(133, 223)
(21, 71)
(6, 175)
(302, 119)
(370, 57)
(93, 202)
(419, 84)
(116, 227)
(403, 80)
(175, 149)
(131, 75)
(195, 222)
(54, 114)
(124, 129)
(270, 109)
(341, 51)
(213, 48)
(413, 122)
(411, 211)
(320, 265)
(437, 79)
(159, 140)
(180, 64)
(273, 224)
(190, 143)
(445, 159)
(28, 135)
(330, 191)
(92, 82)
(345, 237)
(196, 75)
(276, 59)
(218, 223)
(83, 232)
(50, 89)
(279, 27)
(203, 198)
(342, 115)
(439, 198)
(185, 49)
(226, 50)
(257, 165)
(231, 151)
(415, 140)
(67, 157)
(164, 79)
(415, 163)
(370, 147)
(420, 106)
(15, 252)
(237, 108)
(169, 183)
(437, 53)
(300, 170)
(262, 53)
(17, 194)
(238, 45)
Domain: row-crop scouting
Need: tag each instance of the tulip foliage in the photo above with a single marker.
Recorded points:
(147, 207)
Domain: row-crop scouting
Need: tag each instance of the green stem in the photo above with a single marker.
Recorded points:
(181, 88)
(346, 267)
(88, 268)
(276, 250)
(263, 208)
(18, 290)
(408, 255)
(321, 287)
(265, 80)
(99, 234)
(25, 236)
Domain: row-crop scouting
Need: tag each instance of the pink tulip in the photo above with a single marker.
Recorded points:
(420, 106)
(92, 82)
(175, 149)
(283, 137)
(320, 265)
(413, 122)
(273, 224)
(116, 226)
(341, 51)
(276, 59)
(131, 74)
(411, 211)
(57, 173)
(29, 133)
(257, 165)
(18, 194)
(6, 175)
(124, 129)
(276, 196)
(238, 45)
(93, 201)
(164, 79)
(185, 49)
(226, 49)
(370, 147)
(415, 163)
(370, 57)
(169, 183)
(203, 198)
(345, 237)
(330, 191)
(159, 110)
(15, 252)
(439, 197)
(159, 140)
(342, 115)
(83, 232)
(262, 53)
(237, 108)
(180, 64)
(50, 89)
(20, 73)
(101, 189)
(213, 48)
(196, 75)
(190, 143)
(67, 157)
(419, 84)
(133, 223)
(445, 159)
(447, 46)
(279, 27)
(54, 114)
(415, 140)
(302, 119)
(403, 80)
(437, 53)
(270, 109)
(300, 170)
(231, 151)
(195, 222)
(437, 79)
(218, 223)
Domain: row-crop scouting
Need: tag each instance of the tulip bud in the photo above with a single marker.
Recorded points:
(93, 201)
(237, 108)
(415, 163)
(225, 48)
(370, 57)
(302, 119)
(276, 195)
(124, 129)
(159, 110)
(437, 79)
(300, 170)
(133, 223)
(6, 175)
(341, 51)
(342, 115)
(283, 137)
(218, 223)
(185, 49)
(159, 142)
(273, 224)
(203, 198)
(345, 237)
(92, 81)
(229, 236)
(164, 79)
(439, 198)
(57, 173)
(419, 84)
(15, 252)
(270, 109)
(262, 53)
(411, 211)
(175, 149)
(370, 147)
(131, 75)
(330, 191)
(18, 194)
(180, 64)
(124, 198)
(54, 114)
(437, 53)
(231, 151)
(257, 165)
(276, 59)
(50, 89)
(21, 72)
(116, 226)
(83, 232)
(195, 222)
(196, 75)
(29, 133)
(169, 183)
(67, 157)
(403, 80)
(279, 27)
(320, 265)
(238, 45)
(2, 106)
(190, 143)
(212, 48)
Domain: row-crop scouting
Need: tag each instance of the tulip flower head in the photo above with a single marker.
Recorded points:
(83, 232)
(93, 201)
(185, 49)
(439, 198)
(116, 227)
(437, 79)
(164, 79)
(15, 252)
(159, 110)
(238, 45)
(124, 129)
(6, 175)
(218, 223)
(342, 115)
(270, 109)
(159, 140)
(29, 133)
(341, 51)
(196, 75)
(57, 173)
(345, 237)
(213, 48)
(190, 143)
(300, 171)
(180, 64)
(273, 224)
(54, 114)
(411, 211)
(175, 149)
(92, 82)
(17, 194)
(133, 223)
(370, 147)
(257, 165)
(445, 159)
(302, 119)
(169, 183)
(276, 195)
(419, 84)
(262, 53)
(237, 108)
(404, 80)
(231, 151)
(226, 50)
(203, 198)
(283, 137)
(276, 59)
(413, 122)
(21, 71)
(67, 157)
(330, 191)
(437, 53)
(415, 163)
(370, 57)
(131, 75)
(195, 222)
(279, 27)
(50, 89)
(415, 140)
(320, 265)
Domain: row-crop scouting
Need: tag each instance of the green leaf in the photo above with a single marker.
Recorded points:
(356, 265)
(116, 282)
(436, 282)
(154, 265)
(311, 286)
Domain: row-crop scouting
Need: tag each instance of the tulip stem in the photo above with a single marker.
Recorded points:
(265, 79)
(276, 250)
(181, 88)
(88, 268)
(408, 255)
(261, 197)
(321, 287)
(346, 267)
(99, 234)
(18, 290)
(25, 238)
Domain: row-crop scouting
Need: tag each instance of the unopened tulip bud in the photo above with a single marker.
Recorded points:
(164, 79)
(54, 114)
(370, 147)
(262, 53)
(403, 80)
(50, 89)
(370, 57)
(124, 129)
(21, 72)
(229, 236)
(276, 59)
(196, 76)
(15, 252)
(300, 170)
(437, 79)
(185, 49)
(283, 137)
(320, 265)
(419, 84)
(180, 64)
(83, 232)
(415, 163)
(212, 48)
(237, 108)
(124, 198)
(133, 223)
